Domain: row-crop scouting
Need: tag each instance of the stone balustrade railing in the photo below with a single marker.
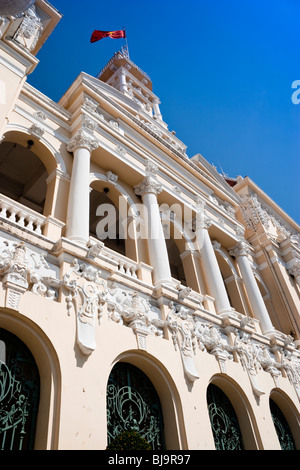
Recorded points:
(124, 265)
(21, 215)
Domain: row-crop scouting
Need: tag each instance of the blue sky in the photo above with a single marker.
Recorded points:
(223, 70)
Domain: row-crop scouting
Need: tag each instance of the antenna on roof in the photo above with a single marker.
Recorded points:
(222, 171)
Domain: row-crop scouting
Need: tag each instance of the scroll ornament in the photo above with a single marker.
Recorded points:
(86, 291)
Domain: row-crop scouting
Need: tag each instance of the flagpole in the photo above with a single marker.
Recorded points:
(126, 42)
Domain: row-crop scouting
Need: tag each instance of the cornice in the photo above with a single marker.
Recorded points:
(46, 103)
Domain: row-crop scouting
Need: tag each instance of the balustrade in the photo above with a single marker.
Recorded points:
(20, 215)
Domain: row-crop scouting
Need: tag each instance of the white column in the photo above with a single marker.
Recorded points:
(240, 252)
(158, 254)
(210, 264)
(156, 108)
(123, 83)
(79, 196)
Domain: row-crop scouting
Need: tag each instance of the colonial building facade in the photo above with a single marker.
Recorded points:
(139, 288)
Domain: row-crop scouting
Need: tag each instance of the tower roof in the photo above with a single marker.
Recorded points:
(121, 59)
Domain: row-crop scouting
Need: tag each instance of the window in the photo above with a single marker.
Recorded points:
(133, 404)
(224, 422)
(19, 394)
(282, 428)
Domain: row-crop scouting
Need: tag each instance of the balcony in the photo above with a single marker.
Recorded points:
(29, 220)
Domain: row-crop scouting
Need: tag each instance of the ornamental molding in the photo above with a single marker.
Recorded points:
(128, 307)
(88, 296)
(22, 270)
(88, 124)
(111, 177)
(37, 131)
(189, 333)
(255, 357)
(86, 290)
(255, 212)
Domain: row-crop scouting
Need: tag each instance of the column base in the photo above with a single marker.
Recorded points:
(225, 311)
(79, 240)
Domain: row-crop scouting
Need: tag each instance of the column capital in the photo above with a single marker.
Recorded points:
(148, 185)
(83, 140)
(240, 249)
(201, 221)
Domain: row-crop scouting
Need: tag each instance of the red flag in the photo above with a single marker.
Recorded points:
(97, 35)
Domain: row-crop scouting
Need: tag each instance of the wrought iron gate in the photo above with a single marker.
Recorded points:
(282, 428)
(19, 394)
(133, 404)
(224, 422)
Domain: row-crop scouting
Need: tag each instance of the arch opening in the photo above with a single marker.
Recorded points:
(133, 405)
(224, 422)
(23, 175)
(282, 427)
(106, 221)
(19, 394)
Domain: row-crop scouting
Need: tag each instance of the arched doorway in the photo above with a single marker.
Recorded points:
(19, 394)
(133, 404)
(283, 430)
(224, 422)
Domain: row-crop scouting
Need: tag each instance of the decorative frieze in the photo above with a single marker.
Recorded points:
(90, 296)
(128, 307)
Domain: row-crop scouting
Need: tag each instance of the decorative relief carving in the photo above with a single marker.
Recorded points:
(291, 365)
(22, 269)
(255, 212)
(29, 30)
(188, 332)
(88, 124)
(90, 104)
(86, 291)
(131, 309)
(37, 131)
(180, 327)
(111, 177)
